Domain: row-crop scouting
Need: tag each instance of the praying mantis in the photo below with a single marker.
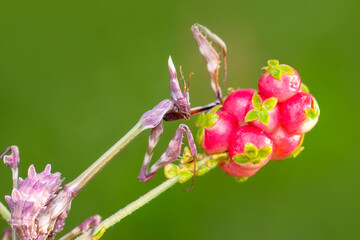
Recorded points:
(179, 106)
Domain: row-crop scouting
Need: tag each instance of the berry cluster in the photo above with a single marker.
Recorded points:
(256, 126)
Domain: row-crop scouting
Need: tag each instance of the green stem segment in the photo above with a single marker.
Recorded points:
(80, 182)
(132, 207)
(4, 212)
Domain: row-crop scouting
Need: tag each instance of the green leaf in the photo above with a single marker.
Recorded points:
(184, 175)
(251, 150)
(212, 163)
(256, 101)
(269, 103)
(304, 88)
(241, 159)
(199, 135)
(264, 152)
(311, 113)
(252, 115)
(171, 170)
(241, 179)
(99, 234)
(215, 109)
(200, 119)
(273, 62)
(202, 171)
(285, 69)
(276, 73)
(210, 120)
(264, 117)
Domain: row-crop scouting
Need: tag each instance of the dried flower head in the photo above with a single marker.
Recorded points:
(30, 199)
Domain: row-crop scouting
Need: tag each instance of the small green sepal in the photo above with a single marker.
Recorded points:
(264, 117)
(304, 88)
(264, 152)
(199, 135)
(200, 119)
(202, 171)
(212, 163)
(99, 234)
(171, 170)
(210, 120)
(277, 69)
(300, 148)
(256, 101)
(269, 103)
(255, 161)
(261, 109)
(297, 152)
(286, 69)
(184, 175)
(316, 107)
(273, 63)
(311, 113)
(241, 179)
(241, 159)
(276, 73)
(252, 115)
(217, 158)
(250, 150)
(215, 109)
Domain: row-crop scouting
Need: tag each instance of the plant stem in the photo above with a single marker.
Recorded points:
(122, 213)
(15, 176)
(4, 212)
(84, 178)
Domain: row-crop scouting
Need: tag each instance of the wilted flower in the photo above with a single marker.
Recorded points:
(30, 199)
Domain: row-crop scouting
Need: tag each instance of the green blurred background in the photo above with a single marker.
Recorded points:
(77, 75)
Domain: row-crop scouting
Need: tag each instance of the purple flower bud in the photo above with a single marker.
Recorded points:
(88, 223)
(12, 161)
(30, 199)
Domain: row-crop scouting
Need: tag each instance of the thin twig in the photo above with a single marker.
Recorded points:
(122, 213)
(85, 177)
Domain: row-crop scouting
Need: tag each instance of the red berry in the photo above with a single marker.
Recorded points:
(237, 102)
(300, 113)
(284, 144)
(280, 81)
(250, 148)
(263, 113)
(216, 131)
(236, 170)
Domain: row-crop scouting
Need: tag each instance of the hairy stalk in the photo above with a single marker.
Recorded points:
(4, 212)
(15, 176)
(132, 207)
(80, 182)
